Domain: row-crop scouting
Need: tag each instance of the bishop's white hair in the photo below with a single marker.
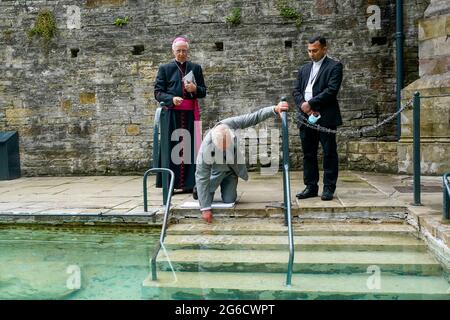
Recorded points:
(178, 42)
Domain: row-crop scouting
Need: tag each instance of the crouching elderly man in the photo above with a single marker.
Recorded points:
(217, 160)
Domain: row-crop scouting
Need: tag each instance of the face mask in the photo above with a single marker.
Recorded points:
(313, 119)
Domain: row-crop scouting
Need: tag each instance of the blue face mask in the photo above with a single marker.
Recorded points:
(313, 119)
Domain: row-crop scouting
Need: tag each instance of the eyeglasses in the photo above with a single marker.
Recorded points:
(181, 51)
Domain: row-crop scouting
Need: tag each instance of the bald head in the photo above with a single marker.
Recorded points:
(222, 136)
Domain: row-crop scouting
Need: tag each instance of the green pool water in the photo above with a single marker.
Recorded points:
(51, 263)
(38, 262)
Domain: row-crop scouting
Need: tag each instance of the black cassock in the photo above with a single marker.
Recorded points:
(168, 85)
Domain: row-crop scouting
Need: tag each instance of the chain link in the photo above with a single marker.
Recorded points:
(352, 132)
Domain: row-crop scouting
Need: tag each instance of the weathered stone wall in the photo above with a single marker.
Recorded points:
(85, 104)
(434, 89)
(376, 156)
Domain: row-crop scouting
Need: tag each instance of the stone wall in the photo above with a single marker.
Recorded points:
(84, 104)
(373, 156)
(434, 89)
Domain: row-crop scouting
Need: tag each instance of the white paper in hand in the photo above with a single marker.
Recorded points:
(189, 78)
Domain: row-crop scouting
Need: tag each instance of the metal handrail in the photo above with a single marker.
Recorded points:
(287, 195)
(160, 146)
(156, 128)
(446, 195)
(416, 149)
(166, 213)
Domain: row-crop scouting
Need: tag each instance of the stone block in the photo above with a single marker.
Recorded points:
(368, 148)
(17, 116)
(433, 28)
(87, 98)
(387, 147)
(435, 157)
(66, 105)
(352, 146)
(104, 3)
(434, 65)
(133, 130)
(434, 47)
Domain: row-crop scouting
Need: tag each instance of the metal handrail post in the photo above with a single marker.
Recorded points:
(416, 148)
(287, 194)
(164, 149)
(446, 195)
(285, 145)
(166, 212)
(156, 127)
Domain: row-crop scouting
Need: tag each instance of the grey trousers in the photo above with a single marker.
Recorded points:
(228, 182)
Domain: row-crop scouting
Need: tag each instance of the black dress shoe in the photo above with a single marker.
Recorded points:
(327, 195)
(194, 193)
(309, 192)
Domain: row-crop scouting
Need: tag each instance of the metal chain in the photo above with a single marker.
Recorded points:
(352, 132)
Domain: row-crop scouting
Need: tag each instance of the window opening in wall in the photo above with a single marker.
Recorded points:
(138, 50)
(379, 41)
(288, 44)
(219, 46)
(74, 52)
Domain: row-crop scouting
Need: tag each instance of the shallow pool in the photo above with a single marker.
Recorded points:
(41, 262)
(80, 263)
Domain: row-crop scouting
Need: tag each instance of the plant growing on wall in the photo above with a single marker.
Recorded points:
(121, 22)
(44, 26)
(234, 18)
(289, 13)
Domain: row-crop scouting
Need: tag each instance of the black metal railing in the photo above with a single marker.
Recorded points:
(287, 194)
(160, 158)
(161, 140)
(446, 195)
(166, 213)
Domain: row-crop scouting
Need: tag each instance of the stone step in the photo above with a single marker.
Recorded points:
(276, 227)
(271, 286)
(301, 243)
(415, 263)
(315, 214)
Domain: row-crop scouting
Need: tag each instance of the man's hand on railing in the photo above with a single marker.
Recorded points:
(280, 107)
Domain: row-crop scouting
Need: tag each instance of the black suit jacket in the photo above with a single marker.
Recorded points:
(325, 90)
(168, 82)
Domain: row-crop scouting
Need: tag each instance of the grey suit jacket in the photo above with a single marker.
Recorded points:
(208, 172)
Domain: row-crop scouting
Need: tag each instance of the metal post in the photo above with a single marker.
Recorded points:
(416, 148)
(285, 145)
(164, 151)
(446, 195)
(399, 59)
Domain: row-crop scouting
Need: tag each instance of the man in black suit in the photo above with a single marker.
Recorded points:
(315, 92)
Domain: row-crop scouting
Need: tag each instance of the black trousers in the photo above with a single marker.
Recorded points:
(310, 139)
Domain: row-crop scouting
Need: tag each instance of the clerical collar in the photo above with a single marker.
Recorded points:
(180, 63)
(320, 61)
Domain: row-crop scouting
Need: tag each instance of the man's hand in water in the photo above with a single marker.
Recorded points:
(207, 216)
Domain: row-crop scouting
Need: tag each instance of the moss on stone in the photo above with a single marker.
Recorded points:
(45, 26)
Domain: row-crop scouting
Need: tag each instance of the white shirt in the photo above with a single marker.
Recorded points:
(312, 78)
